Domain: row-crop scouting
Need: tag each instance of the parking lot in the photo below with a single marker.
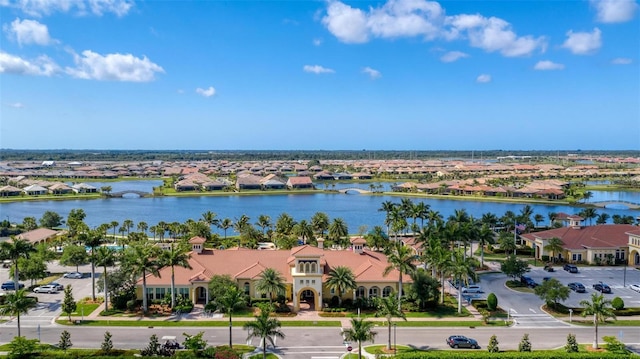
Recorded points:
(618, 278)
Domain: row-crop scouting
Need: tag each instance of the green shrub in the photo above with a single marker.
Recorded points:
(525, 344)
(65, 340)
(492, 302)
(493, 344)
(617, 303)
(572, 344)
(21, 347)
(614, 345)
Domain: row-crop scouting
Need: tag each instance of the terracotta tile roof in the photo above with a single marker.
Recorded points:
(37, 235)
(600, 236)
(197, 240)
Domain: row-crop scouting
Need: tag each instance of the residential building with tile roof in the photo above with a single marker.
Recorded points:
(305, 270)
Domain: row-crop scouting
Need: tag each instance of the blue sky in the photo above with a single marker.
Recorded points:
(332, 75)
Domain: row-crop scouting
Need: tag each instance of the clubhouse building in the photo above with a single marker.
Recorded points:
(305, 270)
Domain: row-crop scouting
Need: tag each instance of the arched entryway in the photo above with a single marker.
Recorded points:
(308, 299)
(636, 258)
(201, 295)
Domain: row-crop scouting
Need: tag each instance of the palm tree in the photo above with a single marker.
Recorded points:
(114, 225)
(17, 303)
(602, 218)
(360, 331)
(241, 223)
(387, 207)
(13, 250)
(338, 230)
(341, 279)
(462, 269)
(92, 239)
(176, 255)
(421, 210)
(589, 213)
(552, 218)
(601, 310)
(264, 222)
(388, 307)
(142, 226)
(304, 230)
(320, 222)
(485, 236)
(105, 257)
(209, 218)
(538, 218)
(284, 225)
(401, 259)
(141, 259)
(554, 245)
(269, 282)
(232, 299)
(490, 219)
(127, 224)
(587, 195)
(265, 328)
(225, 224)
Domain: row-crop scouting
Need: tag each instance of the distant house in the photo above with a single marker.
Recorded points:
(35, 190)
(248, 181)
(214, 186)
(60, 188)
(39, 235)
(7, 191)
(186, 185)
(299, 182)
(323, 176)
(84, 188)
(342, 176)
(272, 181)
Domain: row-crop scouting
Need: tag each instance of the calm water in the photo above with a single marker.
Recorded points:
(356, 210)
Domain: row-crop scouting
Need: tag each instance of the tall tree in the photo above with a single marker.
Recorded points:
(284, 225)
(69, 305)
(269, 282)
(360, 331)
(602, 218)
(50, 219)
(263, 222)
(210, 219)
(304, 230)
(388, 307)
(320, 223)
(601, 310)
(13, 250)
(265, 328)
(462, 269)
(485, 236)
(341, 279)
(228, 302)
(74, 255)
(225, 224)
(338, 231)
(554, 245)
(176, 255)
(17, 303)
(401, 259)
(142, 258)
(387, 207)
(105, 257)
(127, 224)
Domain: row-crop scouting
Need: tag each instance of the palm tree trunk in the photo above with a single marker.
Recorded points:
(359, 350)
(264, 348)
(144, 292)
(481, 254)
(173, 288)
(15, 277)
(400, 292)
(460, 299)
(442, 287)
(230, 325)
(389, 329)
(595, 340)
(18, 316)
(106, 296)
(93, 278)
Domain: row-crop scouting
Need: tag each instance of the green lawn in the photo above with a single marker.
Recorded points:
(82, 308)
(200, 323)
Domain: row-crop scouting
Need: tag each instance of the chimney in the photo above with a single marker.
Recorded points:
(320, 242)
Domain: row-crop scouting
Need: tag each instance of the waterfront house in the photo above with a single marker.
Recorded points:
(305, 270)
(299, 182)
(84, 188)
(34, 190)
(39, 235)
(6, 191)
(248, 181)
(599, 244)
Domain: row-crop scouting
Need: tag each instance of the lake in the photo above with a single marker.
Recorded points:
(356, 210)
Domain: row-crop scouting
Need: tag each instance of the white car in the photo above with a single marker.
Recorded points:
(46, 289)
(73, 275)
(635, 287)
(472, 289)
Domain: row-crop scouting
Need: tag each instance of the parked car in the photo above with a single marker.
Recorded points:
(10, 285)
(73, 275)
(57, 285)
(549, 268)
(602, 287)
(170, 342)
(570, 268)
(577, 287)
(528, 281)
(635, 287)
(460, 341)
(473, 288)
(46, 289)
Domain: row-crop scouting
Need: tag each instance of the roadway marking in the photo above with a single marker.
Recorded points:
(532, 311)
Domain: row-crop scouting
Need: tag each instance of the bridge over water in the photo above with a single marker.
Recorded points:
(605, 204)
(122, 193)
(359, 190)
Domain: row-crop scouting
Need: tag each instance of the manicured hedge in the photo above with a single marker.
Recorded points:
(470, 354)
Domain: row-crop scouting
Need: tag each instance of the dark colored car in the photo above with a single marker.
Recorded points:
(602, 287)
(57, 285)
(549, 268)
(577, 287)
(11, 286)
(570, 268)
(528, 281)
(460, 341)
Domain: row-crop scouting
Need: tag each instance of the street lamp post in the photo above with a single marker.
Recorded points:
(570, 315)
(395, 348)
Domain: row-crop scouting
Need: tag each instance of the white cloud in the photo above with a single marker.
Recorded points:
(373, 74)
(206, 92)
(583, 43)
(609, 11)
(548, 65)
(484, 78)
(113, 67)
(28, 32)
(621, 61)
(17, 105)
(40, 8)
(317, 69)
(346, 23)
(426, 19)
(317, 42)
(494, 34)
(42, 66)
(452, 56)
